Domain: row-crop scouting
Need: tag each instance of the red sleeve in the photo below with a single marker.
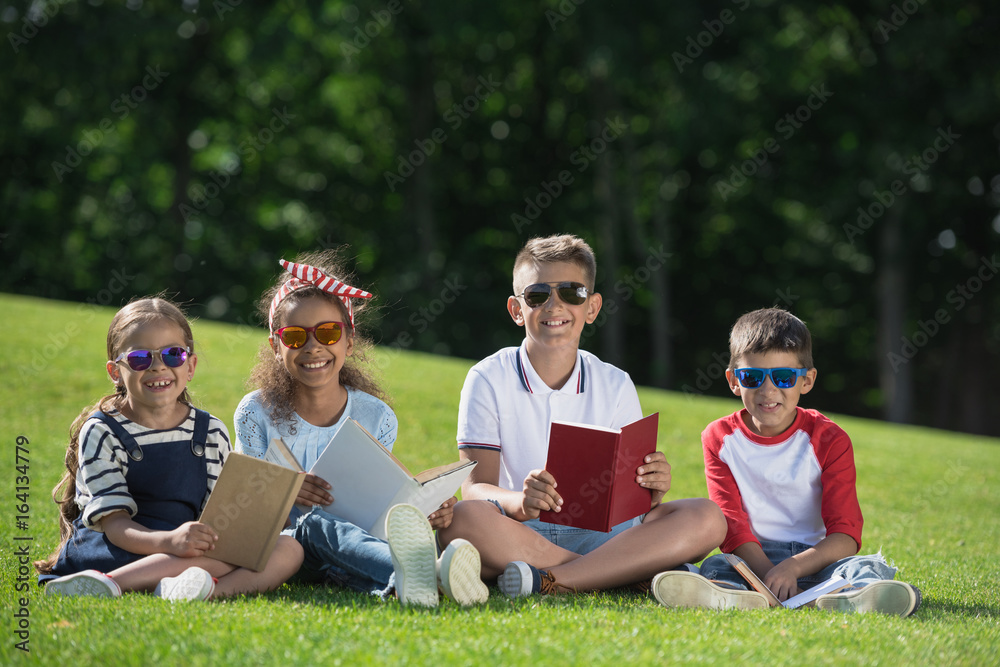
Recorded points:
(840, 508)
(722, 488)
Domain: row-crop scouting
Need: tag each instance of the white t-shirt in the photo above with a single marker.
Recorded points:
(505, 407)
(255, 430)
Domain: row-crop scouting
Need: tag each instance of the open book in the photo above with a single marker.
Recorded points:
(831, 585)
(248, 508)
(594, 468)
(368, 480)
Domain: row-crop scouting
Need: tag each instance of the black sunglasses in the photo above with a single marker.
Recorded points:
(539, 293)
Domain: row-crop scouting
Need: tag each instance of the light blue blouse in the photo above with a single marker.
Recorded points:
(254, 429)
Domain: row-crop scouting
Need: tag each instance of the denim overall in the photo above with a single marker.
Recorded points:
(167, 481)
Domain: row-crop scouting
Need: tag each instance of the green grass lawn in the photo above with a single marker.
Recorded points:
(930, 498)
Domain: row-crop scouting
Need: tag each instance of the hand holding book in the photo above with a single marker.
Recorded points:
(315, 491)
(831, 585)
(597, 469)
(654, 474)
(540, 494)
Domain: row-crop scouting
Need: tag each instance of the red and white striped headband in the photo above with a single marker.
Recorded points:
(306, 276)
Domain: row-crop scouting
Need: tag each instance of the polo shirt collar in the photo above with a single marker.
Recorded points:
(533, 384)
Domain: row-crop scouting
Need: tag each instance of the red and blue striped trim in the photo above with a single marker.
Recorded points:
(479, 445)
(581, 378)
(522, 375)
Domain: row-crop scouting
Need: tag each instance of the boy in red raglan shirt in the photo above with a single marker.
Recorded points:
(785, 480)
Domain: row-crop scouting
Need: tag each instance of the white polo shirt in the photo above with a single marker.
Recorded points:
(505, 407)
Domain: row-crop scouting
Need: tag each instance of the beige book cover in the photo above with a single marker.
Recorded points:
(248, 508)
(368, 480)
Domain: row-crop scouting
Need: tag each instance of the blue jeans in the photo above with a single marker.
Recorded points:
(341, 553)
(858, 570)
(578, 540)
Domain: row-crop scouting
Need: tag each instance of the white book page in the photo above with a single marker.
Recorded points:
(279, 454)
(364, 476)
(805, 597)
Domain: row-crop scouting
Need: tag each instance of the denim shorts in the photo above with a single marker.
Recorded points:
(577, 540)
(858, 570)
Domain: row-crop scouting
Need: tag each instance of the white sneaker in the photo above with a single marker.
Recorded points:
(414, 556)
(90, 583)
(193, 583)
(676, 588)
(886, 597)
(459, 574)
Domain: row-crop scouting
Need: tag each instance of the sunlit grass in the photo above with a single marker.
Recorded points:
(930, 500)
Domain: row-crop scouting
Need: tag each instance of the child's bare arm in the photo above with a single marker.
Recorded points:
(783, 578)
(755, 558)
(187, 540)
(538, 492)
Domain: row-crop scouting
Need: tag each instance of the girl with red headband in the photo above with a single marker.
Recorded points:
(311, 376)
(140, 465)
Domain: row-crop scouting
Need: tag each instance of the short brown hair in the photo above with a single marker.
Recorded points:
(558, 248)
(768, 330)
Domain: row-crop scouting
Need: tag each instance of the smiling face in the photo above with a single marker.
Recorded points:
(152, 394)
(314, 365)
(555, 325)
(771, 410)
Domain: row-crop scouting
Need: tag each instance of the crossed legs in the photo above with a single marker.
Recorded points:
(672, 533)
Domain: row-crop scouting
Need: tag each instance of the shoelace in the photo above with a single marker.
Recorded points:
(547, 585)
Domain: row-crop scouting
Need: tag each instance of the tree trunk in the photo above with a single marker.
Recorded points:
(612, 325)
(895, 371)
(648, 251)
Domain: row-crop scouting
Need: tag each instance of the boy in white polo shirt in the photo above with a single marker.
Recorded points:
(508, 403)
(785, 479)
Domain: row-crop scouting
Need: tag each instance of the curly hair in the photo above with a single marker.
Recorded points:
(277, 387)
(136, 313)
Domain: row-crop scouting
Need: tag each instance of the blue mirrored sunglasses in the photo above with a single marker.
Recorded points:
(782, 378)
(140, 360)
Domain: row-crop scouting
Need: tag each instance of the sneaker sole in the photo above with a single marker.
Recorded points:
(689, 590)
(461, 574)
(511, 582)
(193, 583)
(886, 597)
(414, 556)
(88, 583)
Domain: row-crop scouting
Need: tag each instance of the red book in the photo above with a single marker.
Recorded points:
(594, 468)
